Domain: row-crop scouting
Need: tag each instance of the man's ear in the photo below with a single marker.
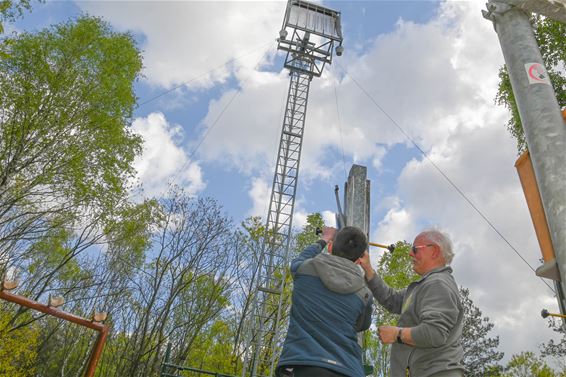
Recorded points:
(329, 247)
(436, 252)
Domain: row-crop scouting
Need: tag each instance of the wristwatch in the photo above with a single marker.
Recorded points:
(399, 340)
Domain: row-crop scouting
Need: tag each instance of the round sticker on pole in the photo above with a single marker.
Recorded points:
(537, 74)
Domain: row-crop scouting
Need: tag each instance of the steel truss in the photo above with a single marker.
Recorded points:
(314, 30)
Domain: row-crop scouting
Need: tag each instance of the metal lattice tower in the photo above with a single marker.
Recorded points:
(314, 31)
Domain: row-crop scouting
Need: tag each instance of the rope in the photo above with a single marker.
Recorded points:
(425, 155)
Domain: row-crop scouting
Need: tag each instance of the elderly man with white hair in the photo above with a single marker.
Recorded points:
(427, 339)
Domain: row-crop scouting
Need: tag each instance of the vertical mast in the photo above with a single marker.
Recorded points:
(314, 31)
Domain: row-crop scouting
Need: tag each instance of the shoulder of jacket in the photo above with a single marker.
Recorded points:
(364, 294)
(441, 279)
(307, 268)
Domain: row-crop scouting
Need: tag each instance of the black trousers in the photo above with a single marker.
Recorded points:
(306, 371)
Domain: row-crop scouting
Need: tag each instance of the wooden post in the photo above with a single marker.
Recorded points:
(524, 167)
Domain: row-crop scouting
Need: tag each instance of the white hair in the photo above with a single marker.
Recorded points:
(442, 240)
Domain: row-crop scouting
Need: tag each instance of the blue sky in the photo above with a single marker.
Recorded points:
(432, 66)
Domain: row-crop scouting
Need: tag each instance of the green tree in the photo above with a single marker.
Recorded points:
(395, 269)
(10, 10)
(212, 347)
(251, 235)
(527, 364)
(308, 234)
(481, 356)
(89, 279)
(182, 288)
(556, 351)
(551, 38)
(18, 351)
(66, 150)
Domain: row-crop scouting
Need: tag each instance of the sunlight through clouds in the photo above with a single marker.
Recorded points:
(163, 160)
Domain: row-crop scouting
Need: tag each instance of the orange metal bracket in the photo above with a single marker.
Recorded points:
(534, 203)
(101, 328)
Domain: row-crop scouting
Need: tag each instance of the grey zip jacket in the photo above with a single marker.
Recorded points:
(432, 307)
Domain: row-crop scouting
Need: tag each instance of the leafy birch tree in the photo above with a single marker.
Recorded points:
(66, 150)
(10, 10)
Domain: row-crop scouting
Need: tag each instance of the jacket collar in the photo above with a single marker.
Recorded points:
(435, 271)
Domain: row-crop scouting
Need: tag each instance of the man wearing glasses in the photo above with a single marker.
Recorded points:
(426, 341)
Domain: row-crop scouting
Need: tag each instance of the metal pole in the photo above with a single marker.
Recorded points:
(545, 131)
(96, 352)
(164, 367)
(102, 329)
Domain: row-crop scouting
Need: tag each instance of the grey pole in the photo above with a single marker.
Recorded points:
(356, 203)
(553, 9)
(356, 210)
(545, 131)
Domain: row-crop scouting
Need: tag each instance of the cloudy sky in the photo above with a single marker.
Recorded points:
(211, 108)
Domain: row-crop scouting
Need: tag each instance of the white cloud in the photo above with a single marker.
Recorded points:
(259, 193)
(437, 80)
(299, 219)
(243, 127)
(190, 41)
(395, 226)
(329, 218)
(163, 160)
(456, 123)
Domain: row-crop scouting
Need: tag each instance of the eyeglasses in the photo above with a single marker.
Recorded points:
(415, 249)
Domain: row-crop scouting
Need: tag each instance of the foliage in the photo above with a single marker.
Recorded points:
(527, 364)
(212, 347)
(247, 258)
(182, 287)
(395, 269)
(17, 347)
(67, 95)
(556, 351)
(10, 10)
(480, 351)
(551, 38)
(66, 151)
(173, 282)
(66, 157)
(308, 234)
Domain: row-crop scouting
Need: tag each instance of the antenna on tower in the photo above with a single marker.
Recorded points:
(310, 34)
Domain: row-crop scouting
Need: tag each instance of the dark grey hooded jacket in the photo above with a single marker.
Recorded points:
(330, 304)
(432, 307)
